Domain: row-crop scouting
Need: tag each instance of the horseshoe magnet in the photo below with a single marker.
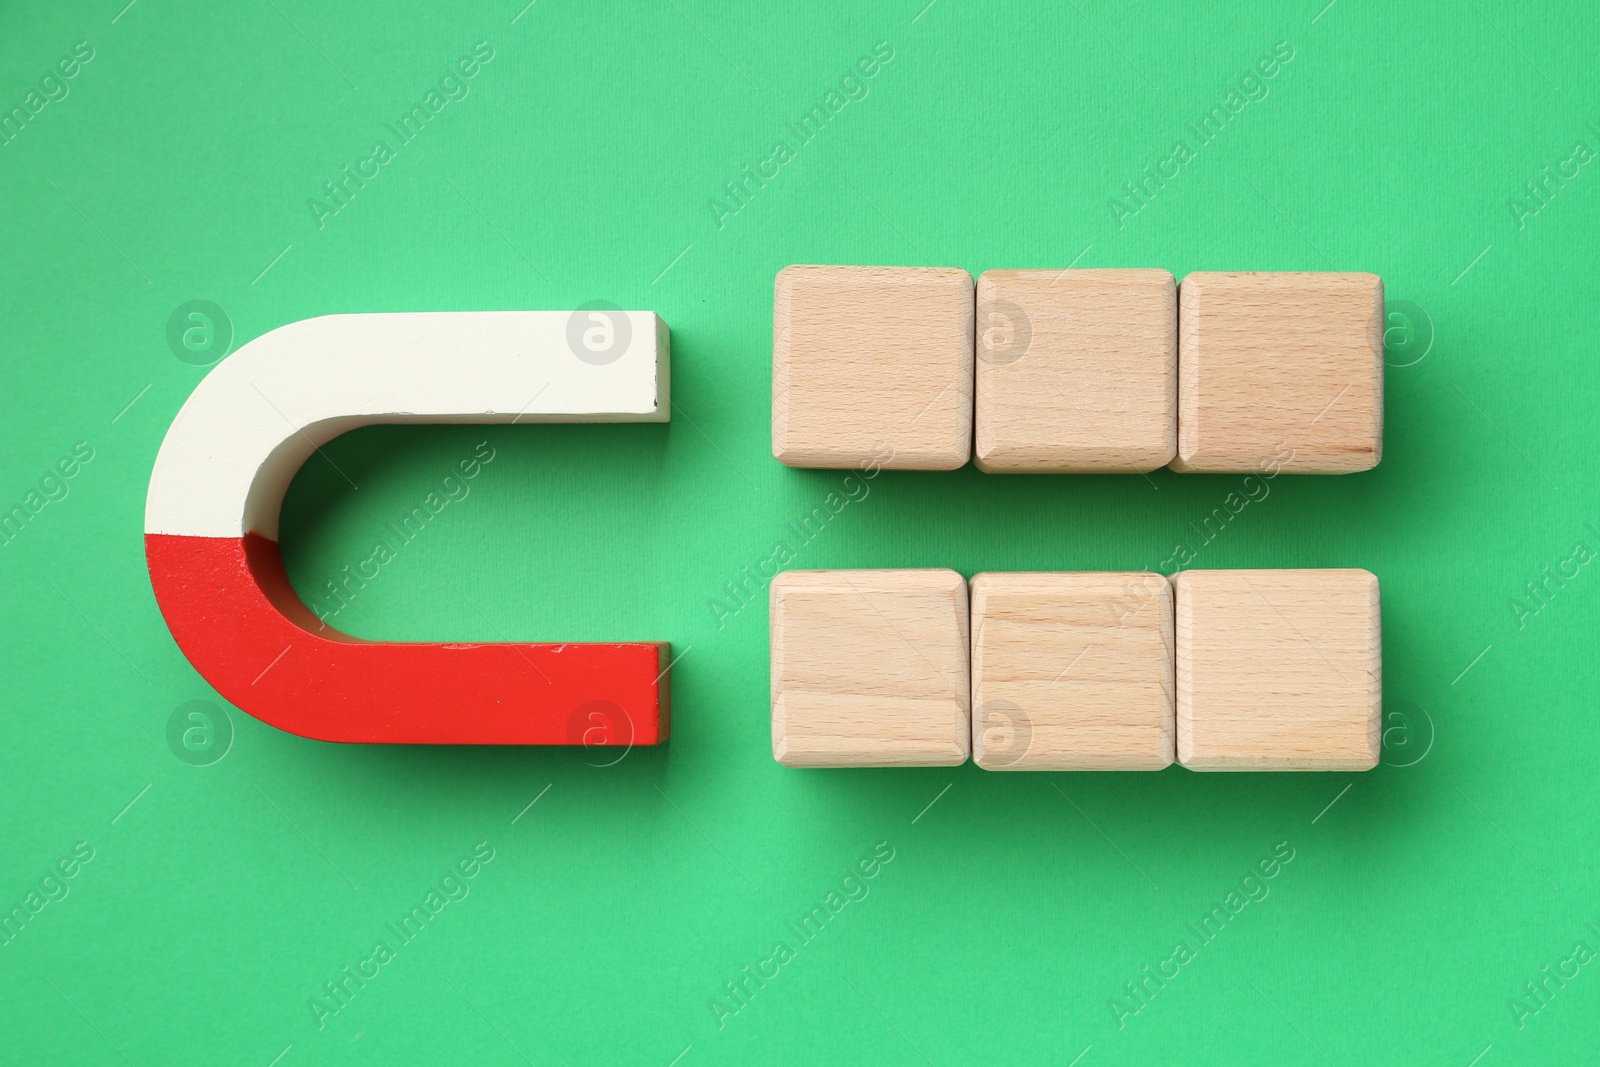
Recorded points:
(211, 525)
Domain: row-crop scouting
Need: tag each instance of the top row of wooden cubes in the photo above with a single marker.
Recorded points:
(1094, 371)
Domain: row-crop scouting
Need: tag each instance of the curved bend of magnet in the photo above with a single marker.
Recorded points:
(211, 528)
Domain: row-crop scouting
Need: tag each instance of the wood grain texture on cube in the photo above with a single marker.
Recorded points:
(1072, 671)
(1278, 670)
(1280, 367)
(872, 365)
(1077, 371)
(869, 668)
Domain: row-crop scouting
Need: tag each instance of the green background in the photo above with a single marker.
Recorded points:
(581, 167)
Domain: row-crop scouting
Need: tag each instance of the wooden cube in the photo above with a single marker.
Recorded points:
(1278, 670)
(1072, 671)
(1280, 369)
(1077, 370)
(872, 365)
(869, 668)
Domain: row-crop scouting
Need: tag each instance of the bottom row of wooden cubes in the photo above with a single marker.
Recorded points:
(1070, 671)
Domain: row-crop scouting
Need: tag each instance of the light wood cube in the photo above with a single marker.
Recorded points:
(1278, 670)
(1280, 370)
(1072, 671)
(1077, 370)
(869, 668)
(872, 365)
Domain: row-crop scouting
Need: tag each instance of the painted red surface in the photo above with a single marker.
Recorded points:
(232, 611)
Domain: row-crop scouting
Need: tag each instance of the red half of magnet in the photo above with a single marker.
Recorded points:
(235, 616)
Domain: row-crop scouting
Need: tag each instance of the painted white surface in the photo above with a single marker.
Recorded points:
(243, 433)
